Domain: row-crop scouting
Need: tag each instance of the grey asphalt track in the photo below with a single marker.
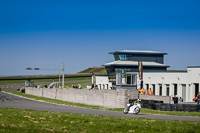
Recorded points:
(12, 101)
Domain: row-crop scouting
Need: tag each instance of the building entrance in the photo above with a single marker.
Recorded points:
(196, 89)
(126, 80)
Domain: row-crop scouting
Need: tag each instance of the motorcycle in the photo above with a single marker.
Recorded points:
(133, 108)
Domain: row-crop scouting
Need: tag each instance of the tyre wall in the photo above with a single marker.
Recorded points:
(159, 105)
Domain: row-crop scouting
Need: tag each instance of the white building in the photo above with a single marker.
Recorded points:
(184, 85)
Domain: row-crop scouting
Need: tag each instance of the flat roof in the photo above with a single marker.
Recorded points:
(134, 63)
(137, 52)
(193, 67)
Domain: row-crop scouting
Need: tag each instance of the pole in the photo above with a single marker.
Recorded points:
(94, 80)
(59, 79)
(63, 78)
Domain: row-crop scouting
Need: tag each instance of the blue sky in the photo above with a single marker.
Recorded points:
(46, 33)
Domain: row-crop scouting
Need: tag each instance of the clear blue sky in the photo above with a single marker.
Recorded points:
(80, 33)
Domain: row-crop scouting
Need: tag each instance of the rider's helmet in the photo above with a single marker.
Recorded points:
(139, 100)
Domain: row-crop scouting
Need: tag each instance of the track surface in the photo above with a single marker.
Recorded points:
(12, 101)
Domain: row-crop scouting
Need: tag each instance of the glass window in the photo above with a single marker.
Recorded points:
(123, 79)
(134, 79)
(122, 57)
(116, 57)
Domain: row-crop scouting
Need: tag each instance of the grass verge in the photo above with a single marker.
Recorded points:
(17, 81)
(145, 111)
(30, 121)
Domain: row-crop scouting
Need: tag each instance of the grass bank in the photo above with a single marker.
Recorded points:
(145, 111)
(30, 121)
(19, 81)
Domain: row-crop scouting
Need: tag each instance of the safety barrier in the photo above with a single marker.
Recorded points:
(159, 105)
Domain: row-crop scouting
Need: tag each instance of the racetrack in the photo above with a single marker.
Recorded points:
(12, 101)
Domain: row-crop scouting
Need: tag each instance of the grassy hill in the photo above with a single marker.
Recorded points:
(96, 70)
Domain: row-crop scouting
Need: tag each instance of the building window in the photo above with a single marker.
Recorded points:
(160, 89)
(175, 89)
(122, 57)
(167, 89)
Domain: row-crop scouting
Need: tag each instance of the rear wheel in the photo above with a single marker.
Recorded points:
(136, 110)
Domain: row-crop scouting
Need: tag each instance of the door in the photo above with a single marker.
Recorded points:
(128, 79)
(175, 89)
(196, 89)
(154, 89)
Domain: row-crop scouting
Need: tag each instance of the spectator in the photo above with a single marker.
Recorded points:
(92, 86)
(150, 92)
(45, 85)
(198, 98)
(79, 86)
(142, 91)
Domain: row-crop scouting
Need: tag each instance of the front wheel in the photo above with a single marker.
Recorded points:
(136, 110)
(126, 111)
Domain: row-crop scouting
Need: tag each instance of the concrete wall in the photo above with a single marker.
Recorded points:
(106, 98)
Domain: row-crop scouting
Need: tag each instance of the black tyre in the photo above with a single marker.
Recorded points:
(173, 107)
(179, 107)
(136, 110)
(126, 111)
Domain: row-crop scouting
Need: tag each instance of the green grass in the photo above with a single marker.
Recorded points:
(145, 111)
(7, 82)
(30, 121)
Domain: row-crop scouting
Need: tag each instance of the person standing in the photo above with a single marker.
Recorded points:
(143, 91)
(150, 92)
(79, 86)
(198, 98)
(45, 85)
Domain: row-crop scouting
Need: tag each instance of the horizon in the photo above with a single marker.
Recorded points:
(44, 34)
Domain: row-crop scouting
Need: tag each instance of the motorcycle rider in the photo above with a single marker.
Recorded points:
(134, 101)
